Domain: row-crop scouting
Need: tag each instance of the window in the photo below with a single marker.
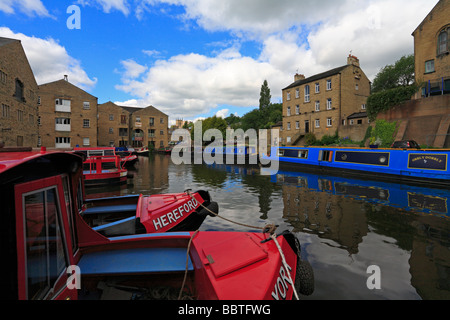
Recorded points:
(3, 77)
(307, 93)
(288, 96)
(329, 104)
(329, 122)
(356, 87)
(297, 93)
(46, 255)
(138, 119)
(429, 66)
(328, 84)
(297, 109)
(86, 105)
(123, 119)
(317, 123)
(86, 123)
(39, 100)
(62, 105)
(317, 87)
(161, 144)
(20, 115)
(443, 41)
(86, 142)
(19, 90)
(317, 108)
(161, 132)
(161, 120)
(363, 106)
(151, 133)
(123, 132)
(111, 130)
(62, 140)
(289, 126)
(5, 111)
(39, 121)
(297, 125)
(152, 122)
(288, 113)
(111, 117)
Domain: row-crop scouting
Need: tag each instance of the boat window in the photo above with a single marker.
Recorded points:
(280, 152)
(80, 195)
(326, 155)
(45, 253)
(303, 154)
(70, 212)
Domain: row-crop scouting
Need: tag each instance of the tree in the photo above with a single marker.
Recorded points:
(393, 85)
(264, 96)
(401, 73)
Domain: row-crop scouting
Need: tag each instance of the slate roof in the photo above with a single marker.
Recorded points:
(316, 77)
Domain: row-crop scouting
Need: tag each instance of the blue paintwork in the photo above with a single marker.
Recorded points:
(414, 198)
(110, 209)
(409, 163)
(134, 261)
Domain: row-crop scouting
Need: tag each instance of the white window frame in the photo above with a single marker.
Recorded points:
(307, 93)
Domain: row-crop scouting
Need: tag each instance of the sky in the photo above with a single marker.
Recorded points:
(193, 59)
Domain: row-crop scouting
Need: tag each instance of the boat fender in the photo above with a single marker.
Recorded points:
(212, 210)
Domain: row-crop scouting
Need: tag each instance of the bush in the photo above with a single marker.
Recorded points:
(310, 139)
(385, 131)
(384, 100)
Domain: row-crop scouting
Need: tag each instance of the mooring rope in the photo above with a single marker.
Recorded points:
(269, 228)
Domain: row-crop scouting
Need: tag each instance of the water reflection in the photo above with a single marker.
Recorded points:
(344, 225)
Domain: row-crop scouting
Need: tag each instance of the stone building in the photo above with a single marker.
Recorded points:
(113, 125)
(18, 96)
(148, 127)
(67, 115)
(432, 51)
(431, 105)
(130, 126)
(322, 104)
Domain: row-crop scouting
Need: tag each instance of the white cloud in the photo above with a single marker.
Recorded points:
(50, 61)
(29, 7)
(308, 37)
(132, 69)
(223, 113)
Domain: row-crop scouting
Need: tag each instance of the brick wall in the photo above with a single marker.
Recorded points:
(18, 115)
(82, 115)
(113, 125)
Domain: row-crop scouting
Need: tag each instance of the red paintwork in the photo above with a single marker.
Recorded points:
(227, 265)
(160, 213)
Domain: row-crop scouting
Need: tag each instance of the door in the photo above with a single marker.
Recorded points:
(306, 126)
(43, 240)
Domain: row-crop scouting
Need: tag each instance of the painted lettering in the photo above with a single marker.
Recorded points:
(281, 286)
(175, 214)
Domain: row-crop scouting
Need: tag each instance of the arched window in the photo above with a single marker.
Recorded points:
(443, 41)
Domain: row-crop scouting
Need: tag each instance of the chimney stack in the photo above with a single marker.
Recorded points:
(66, 77)
(352, 60)
(298, 77)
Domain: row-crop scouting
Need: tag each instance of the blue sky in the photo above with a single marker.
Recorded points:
(197, 58)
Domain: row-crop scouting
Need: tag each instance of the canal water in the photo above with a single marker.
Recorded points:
(363, 239)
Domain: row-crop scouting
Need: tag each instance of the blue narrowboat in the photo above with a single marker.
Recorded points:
(400, 165)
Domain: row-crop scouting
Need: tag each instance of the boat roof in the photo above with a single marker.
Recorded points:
(12, 157)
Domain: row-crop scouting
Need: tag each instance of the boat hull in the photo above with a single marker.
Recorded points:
(402, 166)
(137, 214)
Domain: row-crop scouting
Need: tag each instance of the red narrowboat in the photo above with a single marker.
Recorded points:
(134, 214)
(52, 253)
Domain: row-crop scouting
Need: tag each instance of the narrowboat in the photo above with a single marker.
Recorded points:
(127, 159)
(134, 214)
(231, 154)
(141, 151)
(396, 165)
(104, 170)
(51, 253)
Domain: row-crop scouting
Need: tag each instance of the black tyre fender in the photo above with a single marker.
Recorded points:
(304, 279)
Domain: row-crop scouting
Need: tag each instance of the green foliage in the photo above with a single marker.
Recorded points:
(394, 84)
(384, 131)
(310, 139)
(384, 100)
(264, 96)
(401, 73)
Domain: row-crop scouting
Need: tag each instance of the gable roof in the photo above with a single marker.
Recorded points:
(316, 77)
(5, 41)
